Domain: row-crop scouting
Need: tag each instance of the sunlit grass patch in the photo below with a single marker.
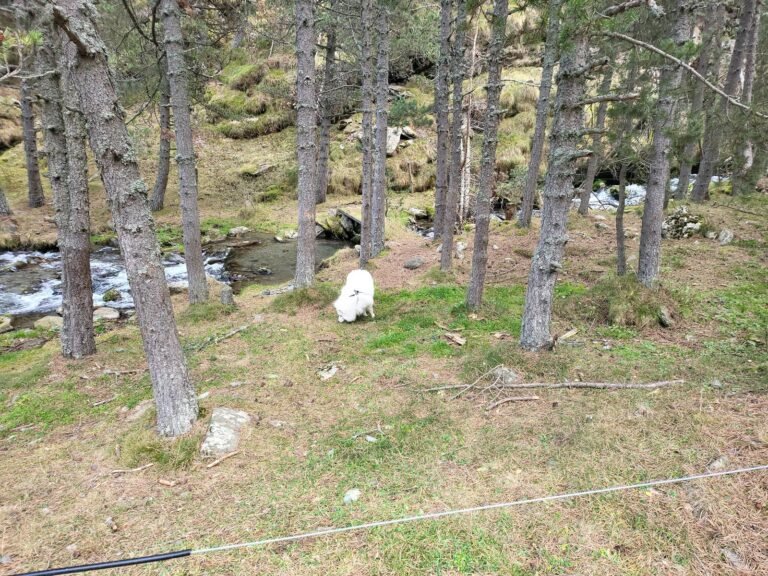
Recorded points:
(43, 408)
(143, 446)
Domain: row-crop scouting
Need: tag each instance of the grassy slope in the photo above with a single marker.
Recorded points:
(431, 452)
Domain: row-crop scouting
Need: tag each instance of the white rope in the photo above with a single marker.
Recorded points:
(435, 515)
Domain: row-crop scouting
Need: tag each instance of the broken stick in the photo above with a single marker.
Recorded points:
(220, 460)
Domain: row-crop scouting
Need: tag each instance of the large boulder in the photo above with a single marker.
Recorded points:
(5, 324)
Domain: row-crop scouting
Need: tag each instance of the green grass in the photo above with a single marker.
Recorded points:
(268, 123)
(144, 446)
(24, 369)
(204, 312)
(43, 407)
(243, 76)
(321, 295)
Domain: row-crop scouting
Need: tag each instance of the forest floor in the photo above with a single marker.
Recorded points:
(65, 426)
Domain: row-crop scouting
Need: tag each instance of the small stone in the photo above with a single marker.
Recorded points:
(227, 296)
(290, 234)
(413, 263)
(725, 237)
(224, 431)
(5, 324)
(716, 383)
(601, 226)
(665, 317)
(105, 313)
(203, 396)
(238, 231)
(735, 560)
(5, 559)
(278, 423)
(72, 549)
(49, 323)
(718, 463)
(495, 247)
(264, 271)
(371, 439)
(111, 524)
(711, 235)
(280, 239)
(352, 495)
(418, 213)
(599, 217)
(236, 384)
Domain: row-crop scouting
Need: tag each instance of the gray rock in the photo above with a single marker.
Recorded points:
(601, 226)
(409, 133)
(290, 234)
(711, 235)
(506, 375)
(665, 317)
(49, 323)
(418, 213)
(393, 139)
(238, 231)
(280, 239)
(599, 217)
(414, 263)
(5, 324)
(177, 287)
(736, 561)
(224, 431)
(227, 297)
(105, 313)
(718, 463)
(460, 247)
(725, 237)
(352, 495)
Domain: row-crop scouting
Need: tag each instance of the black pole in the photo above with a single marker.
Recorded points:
(111, 564)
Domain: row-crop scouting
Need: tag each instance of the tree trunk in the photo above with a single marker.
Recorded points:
(366, 63)
(454, 175)
(442, 86)
(379, 188)
(326, 113)
(621, 253)
(547, 261)
(542, 110)
(713, 133)
(127, 194)
(185, 151)
(306, 122)
(157, 200)
(77, 338)
(5, 209)
(36, 196)
(597, 146)
(488, 161)
(649, 260)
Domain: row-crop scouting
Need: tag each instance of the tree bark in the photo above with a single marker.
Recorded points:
(379, 188)
(542, 110)
(547, 260)
(442, 87)
(621, 253)
(366, 63)
(34, 184)
(127, 194)
(713, 132)
(454, 174)
(306, 122)
(597, 145)
(77, 337)
(325, 112)
(488, 161)
(5, 209)
(649, 260)
(185, 150)
(465, 188)
(157, 200)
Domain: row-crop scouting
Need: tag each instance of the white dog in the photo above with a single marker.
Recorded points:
(356, 298)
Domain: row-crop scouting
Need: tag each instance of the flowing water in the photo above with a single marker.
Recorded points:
(30, 281)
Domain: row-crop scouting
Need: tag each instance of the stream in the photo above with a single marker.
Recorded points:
(30, 281)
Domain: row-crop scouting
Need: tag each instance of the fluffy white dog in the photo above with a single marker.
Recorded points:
(356, 298)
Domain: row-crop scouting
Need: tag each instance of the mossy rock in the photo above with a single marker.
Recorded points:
(268, 123)
(243, 76)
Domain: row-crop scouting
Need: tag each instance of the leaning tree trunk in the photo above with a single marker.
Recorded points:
(157, 200)
(127, 194)
(306, 151)
(326, 112)
(5, 209)
(567, 126)
(379, 187)
(649, 260)
(542, 110)
(34, 184)
(454, 175)
(713, 132)
(488, 161)
(77, 338)
(442, 87)
(185, 151)
(69, 183)
(597, 146)
(621, 251)
(366, 62)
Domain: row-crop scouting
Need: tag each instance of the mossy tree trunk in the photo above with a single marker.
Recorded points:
(306, 123)
(326, 113)
(5, 208)
(127, 195)
(597, 146)
(488, 161)
(454, 173)
(366, 63)
(185, 150)
(379, 187)
(157, 200)
(542, 111)
(442, 88)
(34, 184)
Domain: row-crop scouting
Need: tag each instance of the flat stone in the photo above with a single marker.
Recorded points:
(224, 431)
(665, 317)
(725, 237)
(5, 324)
(414, 263)
(105, 313)
(49, 323)
(238, 231)
(409, 133)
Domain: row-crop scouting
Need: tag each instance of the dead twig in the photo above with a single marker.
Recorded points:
(100, 402)
(510, 399)
(220, 460)
(211, 341)
(129, 470)
(599, 385)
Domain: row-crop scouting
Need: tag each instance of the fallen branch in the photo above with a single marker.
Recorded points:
(609, 98)
(510, 399)
(599, 385)
(220, 460)
(128, 470)
(211, 341)
(100, 402)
